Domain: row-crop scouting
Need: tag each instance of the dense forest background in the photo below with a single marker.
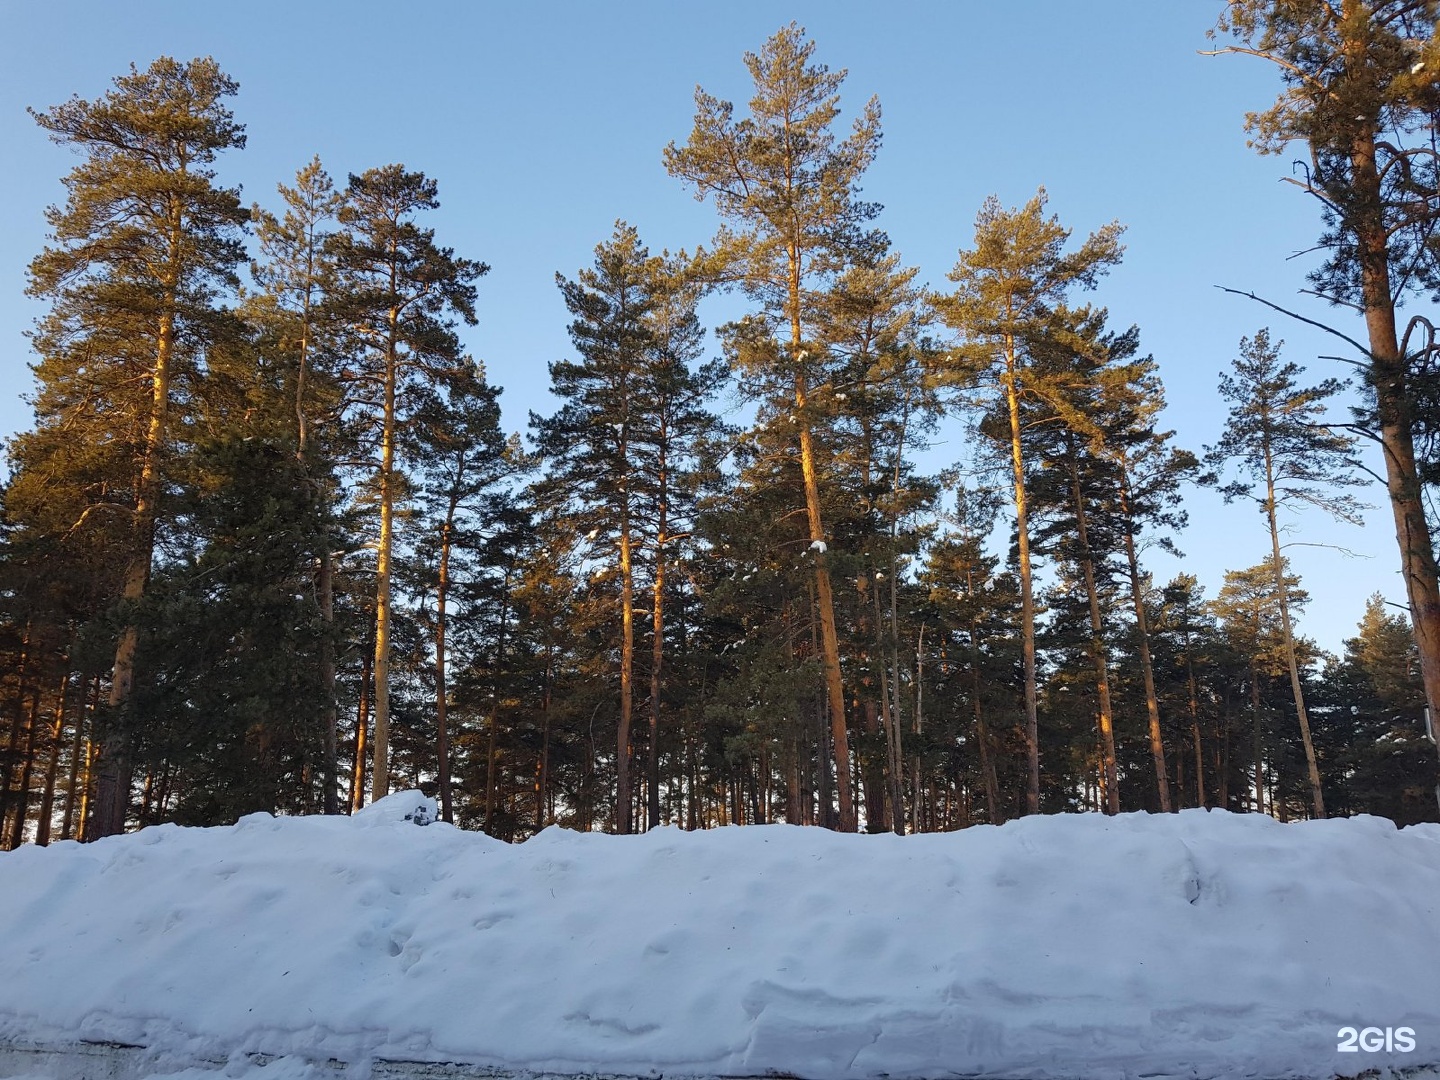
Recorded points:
(268, 547)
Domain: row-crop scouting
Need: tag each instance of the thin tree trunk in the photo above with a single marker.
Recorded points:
(79, 748)
(1225, 754)
(380, 776)
(657, 644)
(623, 810)
(357, 777)
(1097, 643)
(52, 767)
(1147, 667)
(11, 758)
(494, 721)
(1317, 797)
(442, 596)
(22, 797)
(325, 586)
(1027, 596)
(895, 729)
(330, 714)
(1194, 704)
(889, 787)
(873, 789)
(982, 732)
(1258, 749)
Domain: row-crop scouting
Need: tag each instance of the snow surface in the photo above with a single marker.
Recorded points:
(1195, 944)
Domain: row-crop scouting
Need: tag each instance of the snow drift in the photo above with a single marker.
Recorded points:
(1197, 944)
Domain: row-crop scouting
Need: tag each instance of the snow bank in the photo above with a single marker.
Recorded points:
(1197, 944)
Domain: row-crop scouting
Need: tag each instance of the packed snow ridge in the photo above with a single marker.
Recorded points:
(1198, 944)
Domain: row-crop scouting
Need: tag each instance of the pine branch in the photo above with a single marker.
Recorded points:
(1300, 318)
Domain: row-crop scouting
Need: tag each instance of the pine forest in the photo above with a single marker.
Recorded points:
(870, 555)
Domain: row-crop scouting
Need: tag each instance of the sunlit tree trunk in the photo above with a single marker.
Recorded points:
(1027, 596)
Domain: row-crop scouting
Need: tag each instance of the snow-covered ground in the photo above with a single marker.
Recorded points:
(1190, 945)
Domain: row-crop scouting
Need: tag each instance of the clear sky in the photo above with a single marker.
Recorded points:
(544, 122)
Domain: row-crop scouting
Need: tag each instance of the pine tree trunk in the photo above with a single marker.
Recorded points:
(623, 809)
(1258, 747)
(542, 764)
(825, 601)
(380, 777)
(1194, 702)
(982, 733)
(1147, 668)
(887, 785)
(1097, 644)
(873, 789)
(1224, 802)
(494, 719)
(442, 595)
(330, 714)
(895, 730)
(111, 766)
(362, 719)
(657, 644)
(1393, 397)
(1027, 596)
(79, 748)
(1317, 797)
(829, 639)
(52, 767)
(11, 758)
(22, 796)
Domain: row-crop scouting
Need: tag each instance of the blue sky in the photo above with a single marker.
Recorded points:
(544, 122)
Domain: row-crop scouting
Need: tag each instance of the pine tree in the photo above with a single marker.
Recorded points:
(1275, 433)
(1362, 89)
(633, 412)
(879, 411)
(790, 186)
(296, 273)
(1375, 694)
(144, 246)
(1124, 476)
(1186, 632)
(1248, 609)
(461, 458)
(1149, 473)
(1009, 299)
(401, 294)
(976, 611)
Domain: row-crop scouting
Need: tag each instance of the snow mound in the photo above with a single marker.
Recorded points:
(1195, 944)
